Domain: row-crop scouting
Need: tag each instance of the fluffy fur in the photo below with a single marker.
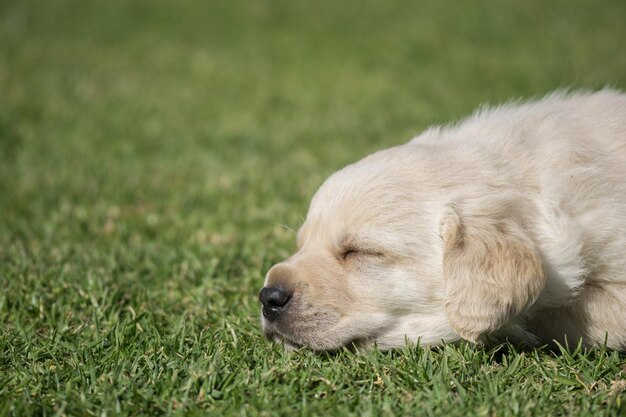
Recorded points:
(511, 224)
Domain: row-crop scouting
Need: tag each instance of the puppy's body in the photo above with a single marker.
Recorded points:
(511, 224)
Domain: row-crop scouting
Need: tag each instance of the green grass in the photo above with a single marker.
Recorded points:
(155, 156)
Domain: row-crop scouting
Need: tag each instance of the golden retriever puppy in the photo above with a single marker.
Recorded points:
(508, 225)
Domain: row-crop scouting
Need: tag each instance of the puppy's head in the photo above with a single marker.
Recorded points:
(381, 260)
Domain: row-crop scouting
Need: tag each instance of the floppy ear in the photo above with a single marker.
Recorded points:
(491, 270)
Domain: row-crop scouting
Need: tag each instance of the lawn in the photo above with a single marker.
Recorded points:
(157, 156)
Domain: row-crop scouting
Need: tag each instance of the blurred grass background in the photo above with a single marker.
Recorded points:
(155, 155)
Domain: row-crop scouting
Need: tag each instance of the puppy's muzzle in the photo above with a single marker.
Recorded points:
(275, 301)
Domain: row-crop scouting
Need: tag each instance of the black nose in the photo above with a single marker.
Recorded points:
(274, 300)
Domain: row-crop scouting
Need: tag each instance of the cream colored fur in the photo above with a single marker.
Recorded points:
(510, 224)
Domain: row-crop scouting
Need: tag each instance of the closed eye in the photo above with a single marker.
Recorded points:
(351, 249)
(351, 253)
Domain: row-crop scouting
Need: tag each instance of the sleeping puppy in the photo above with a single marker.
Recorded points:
(509, 225)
